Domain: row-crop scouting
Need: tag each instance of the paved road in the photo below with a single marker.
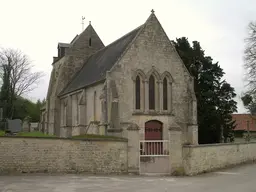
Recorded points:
(242, 179)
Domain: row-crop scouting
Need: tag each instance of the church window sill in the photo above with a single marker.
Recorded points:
(152, 113)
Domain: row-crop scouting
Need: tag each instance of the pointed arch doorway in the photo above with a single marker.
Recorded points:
(154, 155)
(153, 130)
(153, 133)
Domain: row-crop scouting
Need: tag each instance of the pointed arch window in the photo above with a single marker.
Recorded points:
(137, 92)
(94, 106)
(165, 94)
(151, 92)
(90, 42)
(78, 106)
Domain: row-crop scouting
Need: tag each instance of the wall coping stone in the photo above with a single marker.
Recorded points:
(175, 129)
(153, 113)
(72, 139)
(114, 130)
(218, 144)
(132, 128)
(192, 124)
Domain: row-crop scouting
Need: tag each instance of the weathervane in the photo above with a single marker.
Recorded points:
(83, 18)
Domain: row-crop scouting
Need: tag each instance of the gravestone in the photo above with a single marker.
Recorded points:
(34, 127)
(26, 126)
(15, 125)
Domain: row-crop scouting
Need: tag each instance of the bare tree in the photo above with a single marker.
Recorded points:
(250, 57)
(16, 72)
(22, 79)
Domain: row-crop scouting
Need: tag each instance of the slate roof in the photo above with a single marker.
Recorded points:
(97, 65)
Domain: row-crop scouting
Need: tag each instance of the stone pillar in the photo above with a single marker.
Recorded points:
(193, 134)
(175, 151)
(133, 149)
(82, 114)
(193, 127)
(103, 119)
(69, 117)
(56, 123)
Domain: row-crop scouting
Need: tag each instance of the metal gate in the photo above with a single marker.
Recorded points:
(154, 157)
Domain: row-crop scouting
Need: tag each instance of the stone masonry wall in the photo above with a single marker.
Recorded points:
(204, 158)
(62, 155)
(152, 53)
(64, 70)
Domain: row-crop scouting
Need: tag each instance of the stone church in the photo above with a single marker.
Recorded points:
(137, 81)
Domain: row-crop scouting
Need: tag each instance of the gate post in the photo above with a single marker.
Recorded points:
(133, 149)
(175, 150)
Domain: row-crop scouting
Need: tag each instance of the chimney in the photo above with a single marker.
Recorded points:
(62, 49)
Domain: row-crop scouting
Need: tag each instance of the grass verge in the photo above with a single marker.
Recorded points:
(40, 134)
(34, 134)
(2, 133)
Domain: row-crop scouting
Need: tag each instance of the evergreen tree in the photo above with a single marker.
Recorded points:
(5, 94)
(25, 108)
(214, 97)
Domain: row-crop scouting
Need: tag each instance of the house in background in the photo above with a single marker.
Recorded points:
(244, 123)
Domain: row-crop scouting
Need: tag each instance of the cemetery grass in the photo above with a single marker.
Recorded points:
(2, 133)
(40, 134)
(95, 136)
(34, 134)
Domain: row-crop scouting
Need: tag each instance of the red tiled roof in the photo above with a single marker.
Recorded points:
(242, 119)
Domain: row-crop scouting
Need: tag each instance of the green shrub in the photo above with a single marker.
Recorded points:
(2, 133)
(95, 136)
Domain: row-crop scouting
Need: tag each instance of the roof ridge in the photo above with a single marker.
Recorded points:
(140, 28)
(117, 40)
(74, 39)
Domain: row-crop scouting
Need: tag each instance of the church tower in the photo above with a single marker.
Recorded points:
(71, 57)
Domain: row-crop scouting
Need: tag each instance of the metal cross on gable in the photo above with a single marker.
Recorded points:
(83, 18)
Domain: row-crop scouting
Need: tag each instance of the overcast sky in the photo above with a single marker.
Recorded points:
(36, 27)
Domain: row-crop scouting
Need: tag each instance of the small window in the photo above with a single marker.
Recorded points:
(165, 94)
(151, 93)
(137, 92)
(90, 42)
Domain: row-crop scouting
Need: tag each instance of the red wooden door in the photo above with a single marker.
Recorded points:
(153, 131)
